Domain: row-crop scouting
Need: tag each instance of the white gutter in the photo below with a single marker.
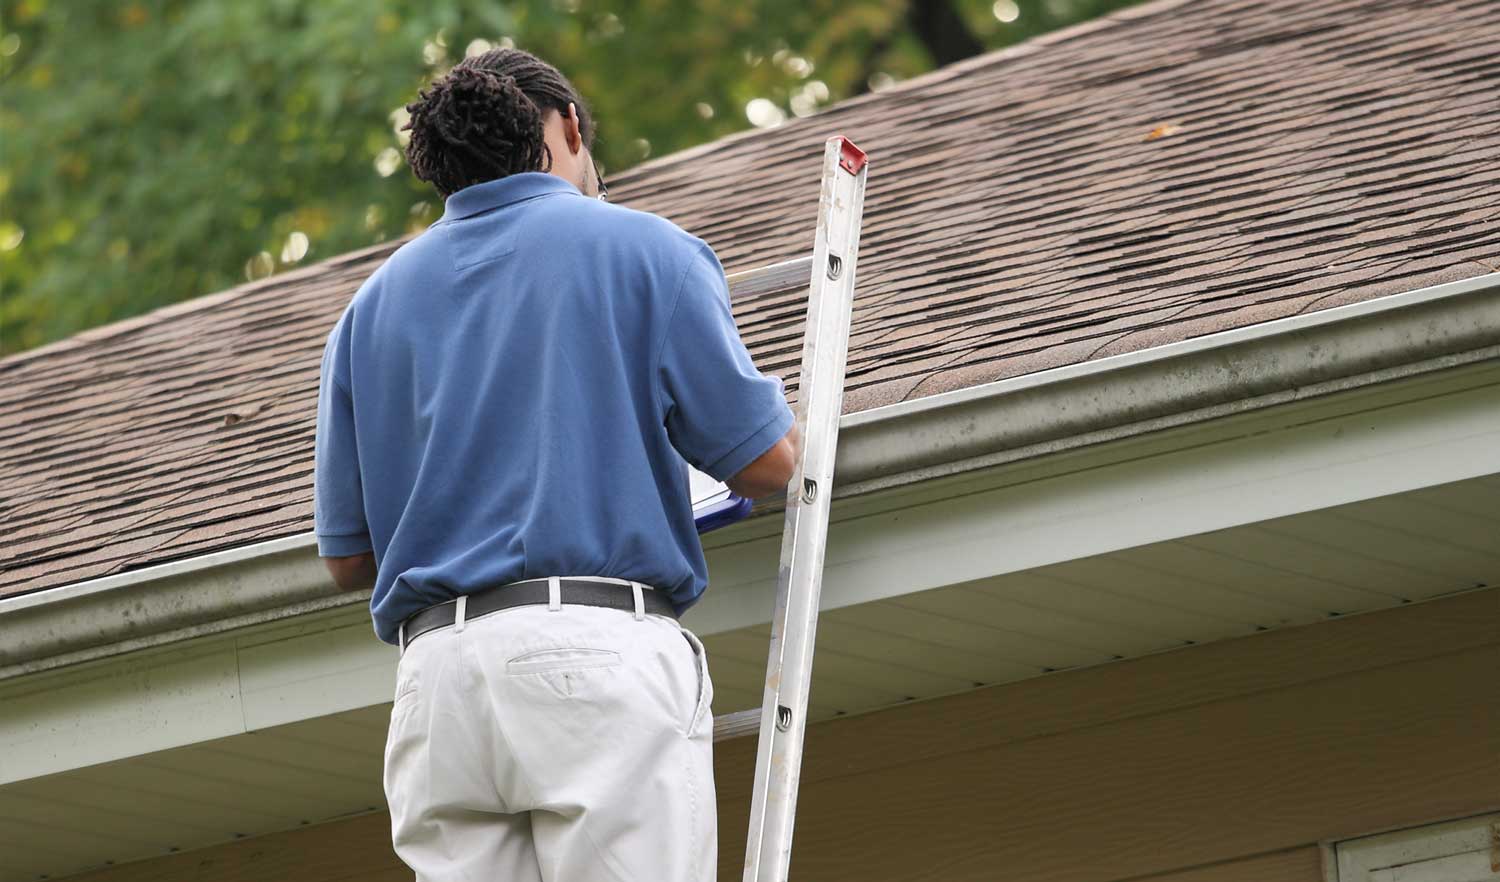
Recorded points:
(1289, 359)
(175, 601)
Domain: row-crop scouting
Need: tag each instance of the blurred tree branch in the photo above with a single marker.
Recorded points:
(942, 30)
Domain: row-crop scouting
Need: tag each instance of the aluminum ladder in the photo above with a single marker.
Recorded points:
(825, 346)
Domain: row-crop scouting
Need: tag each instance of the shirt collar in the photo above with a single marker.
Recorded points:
(503, 191)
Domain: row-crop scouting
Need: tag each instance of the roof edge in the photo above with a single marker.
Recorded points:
(1021, 418)
(937, 75)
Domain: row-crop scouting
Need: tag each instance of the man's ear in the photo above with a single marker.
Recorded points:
(571, 131)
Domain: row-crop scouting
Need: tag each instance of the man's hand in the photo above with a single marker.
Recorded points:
(353, 573)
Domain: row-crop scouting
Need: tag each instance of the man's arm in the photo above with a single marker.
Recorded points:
(725, 417)
(338, 496)
(772, 470)
(353, 573)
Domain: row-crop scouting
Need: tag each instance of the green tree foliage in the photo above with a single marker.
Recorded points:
(155, 150)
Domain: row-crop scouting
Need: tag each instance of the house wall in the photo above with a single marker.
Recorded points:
(1215, 763)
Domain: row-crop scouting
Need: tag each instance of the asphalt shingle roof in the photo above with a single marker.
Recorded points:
(1169, 171)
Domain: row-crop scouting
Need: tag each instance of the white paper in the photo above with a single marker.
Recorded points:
(705, 491)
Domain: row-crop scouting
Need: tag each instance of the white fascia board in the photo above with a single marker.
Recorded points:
(193, 691)
(1067, 408)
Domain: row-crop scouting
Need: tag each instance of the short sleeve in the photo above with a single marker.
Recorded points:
(338, 502)
(721, 412)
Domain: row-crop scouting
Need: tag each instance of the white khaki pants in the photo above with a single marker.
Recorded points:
(554, 745)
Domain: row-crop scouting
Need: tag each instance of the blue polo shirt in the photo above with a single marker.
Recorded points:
(512, 394)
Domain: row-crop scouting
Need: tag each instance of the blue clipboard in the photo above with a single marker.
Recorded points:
(714, 504)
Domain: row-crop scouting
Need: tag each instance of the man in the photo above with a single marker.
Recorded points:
(504, 411)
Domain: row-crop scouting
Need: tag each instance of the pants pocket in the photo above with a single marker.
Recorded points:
(701, 707)
(561, 659)
(406, 695)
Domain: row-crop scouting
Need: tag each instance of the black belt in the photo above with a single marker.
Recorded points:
(487, 600)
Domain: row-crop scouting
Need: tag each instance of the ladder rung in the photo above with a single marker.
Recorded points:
(770, 278)
(737, 724)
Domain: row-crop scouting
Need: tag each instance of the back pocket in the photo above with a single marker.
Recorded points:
(562, 659)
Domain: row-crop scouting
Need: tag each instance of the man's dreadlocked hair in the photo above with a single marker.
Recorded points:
(483, 120)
